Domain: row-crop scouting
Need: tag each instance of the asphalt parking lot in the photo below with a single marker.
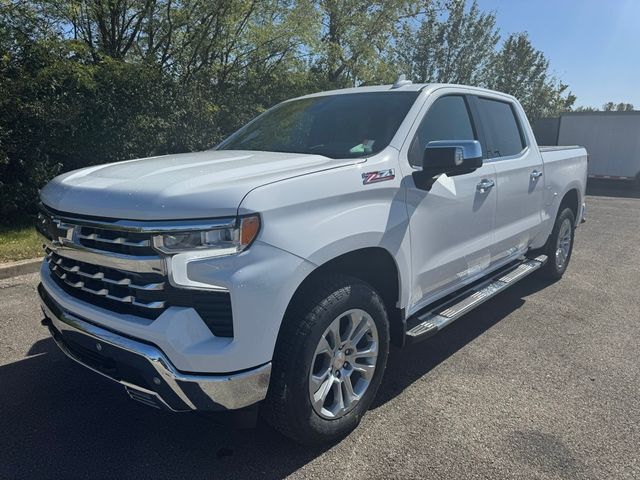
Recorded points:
(540, 382)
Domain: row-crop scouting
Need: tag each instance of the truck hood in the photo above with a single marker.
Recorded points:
(171, 187)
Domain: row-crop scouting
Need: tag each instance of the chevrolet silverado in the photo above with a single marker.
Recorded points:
(274, 271)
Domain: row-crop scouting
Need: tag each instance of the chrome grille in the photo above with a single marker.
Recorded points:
(96, 237)
(117, 241)
(103, 282)
(99, 237)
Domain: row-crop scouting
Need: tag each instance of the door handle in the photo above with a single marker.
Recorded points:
(536, 174)
(485, 185)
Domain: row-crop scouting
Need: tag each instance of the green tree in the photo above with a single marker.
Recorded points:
(617, 107)
(585, 109)
(108, 27)
(356, 39)
(522, 71)
(450, 45)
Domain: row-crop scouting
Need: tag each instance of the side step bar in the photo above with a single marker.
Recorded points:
(426, 324)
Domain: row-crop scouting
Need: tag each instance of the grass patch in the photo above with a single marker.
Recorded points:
(19, 243)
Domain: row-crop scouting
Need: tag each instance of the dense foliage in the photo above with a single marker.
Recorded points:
(93, 81)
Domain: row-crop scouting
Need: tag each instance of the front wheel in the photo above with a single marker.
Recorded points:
(329, 360)
(560, 245)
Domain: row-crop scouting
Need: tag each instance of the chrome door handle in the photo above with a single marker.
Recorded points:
(485, 185)
(536, 174)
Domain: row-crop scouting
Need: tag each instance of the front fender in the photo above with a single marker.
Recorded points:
(321, 216)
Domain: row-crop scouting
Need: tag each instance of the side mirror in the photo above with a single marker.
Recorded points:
(449, 157)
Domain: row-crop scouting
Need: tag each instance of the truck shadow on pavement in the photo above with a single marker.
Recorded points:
(59, 420)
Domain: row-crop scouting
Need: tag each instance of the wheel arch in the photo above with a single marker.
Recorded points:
(571, 199)
(375, 266)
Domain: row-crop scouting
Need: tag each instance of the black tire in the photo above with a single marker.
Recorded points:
(553, 269)
(288, 406)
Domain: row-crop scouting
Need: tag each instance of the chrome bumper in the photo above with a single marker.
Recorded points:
(146, 373)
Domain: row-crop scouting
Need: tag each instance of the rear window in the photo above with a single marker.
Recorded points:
(504, 136)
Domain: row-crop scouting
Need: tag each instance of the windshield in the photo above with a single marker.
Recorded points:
(337, 126)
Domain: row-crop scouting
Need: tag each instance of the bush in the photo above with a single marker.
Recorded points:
(61, 112)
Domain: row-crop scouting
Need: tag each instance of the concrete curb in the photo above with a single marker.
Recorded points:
(22, 267)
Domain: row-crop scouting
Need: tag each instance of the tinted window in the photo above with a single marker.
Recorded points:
(447, 119)
(337, 126)
(500, 124)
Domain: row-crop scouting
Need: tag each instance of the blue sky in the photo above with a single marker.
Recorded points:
(593, 45)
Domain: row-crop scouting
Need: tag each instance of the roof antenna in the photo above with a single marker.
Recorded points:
(401, 82)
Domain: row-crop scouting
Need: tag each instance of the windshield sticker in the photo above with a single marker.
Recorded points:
(379, 176)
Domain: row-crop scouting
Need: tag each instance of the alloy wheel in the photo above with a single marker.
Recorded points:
(343, 364)
(563, 247)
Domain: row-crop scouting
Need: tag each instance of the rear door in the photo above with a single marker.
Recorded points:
(519, 172)
(451, 225)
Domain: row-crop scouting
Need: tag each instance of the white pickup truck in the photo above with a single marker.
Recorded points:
(275, 270)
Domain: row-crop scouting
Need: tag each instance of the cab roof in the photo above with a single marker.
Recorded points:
(411, 87)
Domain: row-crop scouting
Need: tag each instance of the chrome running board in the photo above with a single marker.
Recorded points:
(435, 318)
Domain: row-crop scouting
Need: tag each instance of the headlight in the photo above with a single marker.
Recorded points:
(217, 241)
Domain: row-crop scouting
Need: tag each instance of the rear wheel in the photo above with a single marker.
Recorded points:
(329, 360)
(560, 245)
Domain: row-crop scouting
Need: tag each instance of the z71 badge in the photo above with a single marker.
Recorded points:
(379, 176)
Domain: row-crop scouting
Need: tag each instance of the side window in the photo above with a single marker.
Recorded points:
(447, 119)
(504, 136)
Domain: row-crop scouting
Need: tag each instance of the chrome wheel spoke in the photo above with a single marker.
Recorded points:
(371, 351)
(360, 331)
(339, 405)
(355, 319)
(321, 395)
(334, 332)
(317, 381)
(350, 395)
(365, 370)
(324, 347)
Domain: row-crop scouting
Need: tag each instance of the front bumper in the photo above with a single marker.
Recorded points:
(145, 371)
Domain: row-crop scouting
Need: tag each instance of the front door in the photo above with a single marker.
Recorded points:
(451, 225)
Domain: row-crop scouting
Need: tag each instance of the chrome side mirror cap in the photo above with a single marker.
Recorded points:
(448, 157)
